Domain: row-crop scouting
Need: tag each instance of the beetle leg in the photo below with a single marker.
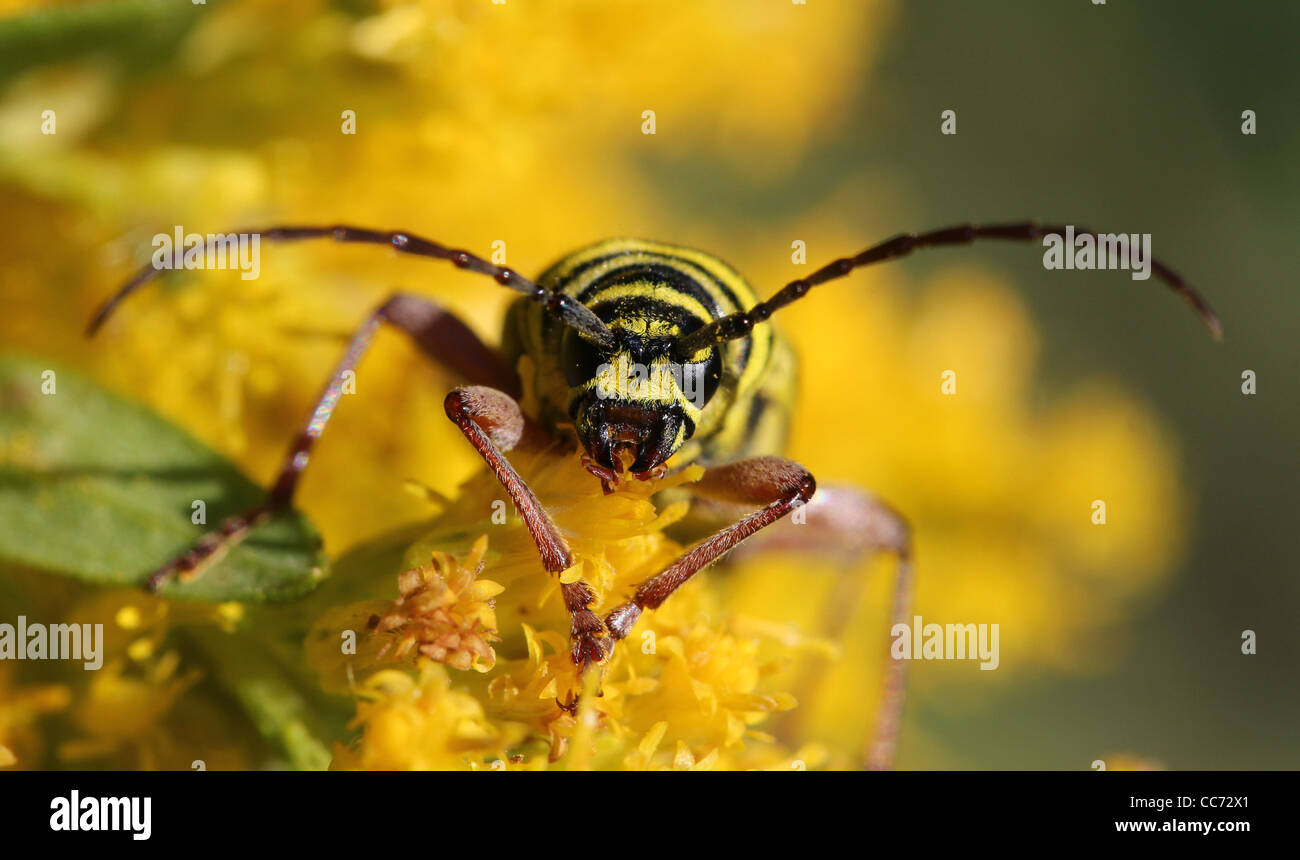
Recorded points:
(493, 423)
(779, 485)
(848, 525)
(844, 521)
(438, 334)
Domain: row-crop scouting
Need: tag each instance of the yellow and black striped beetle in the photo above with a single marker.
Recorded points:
(647, 350)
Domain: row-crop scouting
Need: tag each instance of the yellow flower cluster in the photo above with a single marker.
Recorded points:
(443, 612)
(445, 617)
(417, 723)
(685, 690)
(140, 710)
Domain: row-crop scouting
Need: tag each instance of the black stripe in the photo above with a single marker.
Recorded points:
(652, 308)
(758, 406)
(656, 273)
(576, 271)
(633, 307)
(722, 285)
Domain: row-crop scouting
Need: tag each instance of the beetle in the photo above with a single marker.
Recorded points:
(599, 326)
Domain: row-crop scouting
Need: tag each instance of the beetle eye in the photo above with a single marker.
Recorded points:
(581, 359)
(700, 380)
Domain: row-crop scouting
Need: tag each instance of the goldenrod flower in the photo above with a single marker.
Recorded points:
(122, 710)
(443, 612)
(444, 616)
(684, 678)
(418, 723)
(139, 709)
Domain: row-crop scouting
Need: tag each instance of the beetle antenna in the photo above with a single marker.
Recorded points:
(738, 325)
(566, 309)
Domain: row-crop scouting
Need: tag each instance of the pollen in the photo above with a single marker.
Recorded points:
(443, 613)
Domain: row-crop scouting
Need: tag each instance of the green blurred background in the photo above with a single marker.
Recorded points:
(1130, 114)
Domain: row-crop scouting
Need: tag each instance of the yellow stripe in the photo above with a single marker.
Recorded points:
(565, 267)
(696, 265)
(651, 290)
(721, 427)
(745, 294)
(759, 355)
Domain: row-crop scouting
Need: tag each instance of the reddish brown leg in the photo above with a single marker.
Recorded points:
(889, 722)
(493, 423)
(437, 333)
(865, 525)
(849, 525)
(779, 485)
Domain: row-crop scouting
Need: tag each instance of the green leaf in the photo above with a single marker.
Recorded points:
(134, 32)
(98, 488)
(288, 712)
